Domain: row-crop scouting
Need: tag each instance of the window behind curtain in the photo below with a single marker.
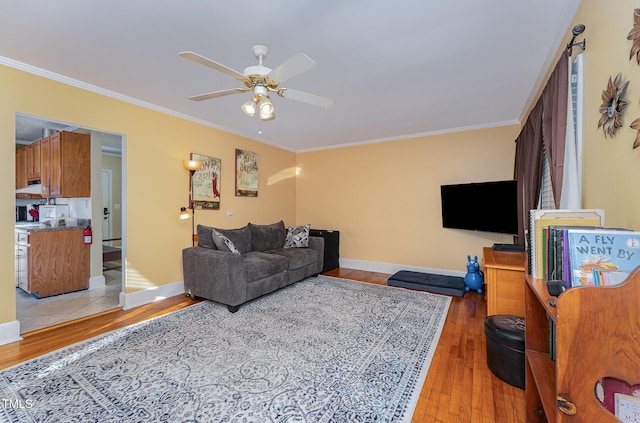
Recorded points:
(572, 178)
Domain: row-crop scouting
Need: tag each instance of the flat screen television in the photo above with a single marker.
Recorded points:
(483, 206)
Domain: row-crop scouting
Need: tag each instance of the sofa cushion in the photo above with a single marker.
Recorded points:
(297, 257)
(259, 265)
(267, 237)
(297, 236)
(241, 238)
(223, 243)
(205, 237)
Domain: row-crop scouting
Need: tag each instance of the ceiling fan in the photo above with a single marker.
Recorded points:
(261, 80)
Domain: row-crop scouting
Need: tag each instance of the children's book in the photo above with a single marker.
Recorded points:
(590, 249)
(539, 219)
(608, 277)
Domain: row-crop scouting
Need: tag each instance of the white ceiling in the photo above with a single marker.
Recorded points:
(396, 68)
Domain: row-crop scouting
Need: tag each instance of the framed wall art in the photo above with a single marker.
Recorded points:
(246, 173)
(205, 183)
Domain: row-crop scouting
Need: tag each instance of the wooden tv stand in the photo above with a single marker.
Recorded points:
(597, 336)
(504, 276)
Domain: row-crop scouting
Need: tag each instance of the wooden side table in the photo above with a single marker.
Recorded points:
(504, 275)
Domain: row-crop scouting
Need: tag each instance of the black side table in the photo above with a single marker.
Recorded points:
(331, 247)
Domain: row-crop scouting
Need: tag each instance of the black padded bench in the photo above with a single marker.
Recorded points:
(439, 284)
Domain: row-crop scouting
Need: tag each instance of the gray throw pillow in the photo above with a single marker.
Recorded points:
(297, 237)
(205, 238)
(241, 238)
(267, 237)
(223, 243)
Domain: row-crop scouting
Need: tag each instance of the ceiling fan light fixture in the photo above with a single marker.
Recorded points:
(259, 91)
(260, 80)
(266, 107)
(272, 116)
(249, 107)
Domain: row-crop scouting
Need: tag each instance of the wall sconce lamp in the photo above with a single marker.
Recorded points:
(191, 166)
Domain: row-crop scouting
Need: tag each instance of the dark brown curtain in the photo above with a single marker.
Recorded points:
(528, 167)
(546, 125)
(554, 123)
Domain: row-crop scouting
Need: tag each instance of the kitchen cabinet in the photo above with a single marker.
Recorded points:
(57, 262)
(33, 161)
(66, 165)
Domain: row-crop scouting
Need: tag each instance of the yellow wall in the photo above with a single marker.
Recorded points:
(612, 166)
(384, 198)
(156, 182)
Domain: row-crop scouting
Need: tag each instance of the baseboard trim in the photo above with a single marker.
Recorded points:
(372, 266)
(146, 296)
(97, 282)
(10, 332)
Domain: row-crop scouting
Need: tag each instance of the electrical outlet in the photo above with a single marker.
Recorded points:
(229, 212)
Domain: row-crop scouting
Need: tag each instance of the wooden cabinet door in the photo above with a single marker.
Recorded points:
(55, 163)
(58, 262)
(33, 161)
(45, 165)
(76, 165)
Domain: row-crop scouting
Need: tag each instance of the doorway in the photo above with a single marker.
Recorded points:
(33, 313)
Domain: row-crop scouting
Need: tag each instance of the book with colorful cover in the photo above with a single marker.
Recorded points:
(540, 219)
(558, 260)
(609, 277)
(590, 249)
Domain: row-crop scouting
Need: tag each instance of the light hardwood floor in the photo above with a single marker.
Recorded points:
(459, 387)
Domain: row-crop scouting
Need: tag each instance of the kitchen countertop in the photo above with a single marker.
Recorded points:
(41, 227)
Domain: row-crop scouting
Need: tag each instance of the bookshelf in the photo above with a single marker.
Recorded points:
(597, 336)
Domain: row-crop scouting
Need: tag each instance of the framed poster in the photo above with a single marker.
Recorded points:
(246, 173)
(205, 183)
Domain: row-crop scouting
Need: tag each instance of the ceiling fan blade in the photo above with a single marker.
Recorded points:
(195, 57)
(314, 100)
(296, 65)
(217, 94)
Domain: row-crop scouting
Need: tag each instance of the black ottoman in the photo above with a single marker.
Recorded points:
(440, 284)
(505, 348)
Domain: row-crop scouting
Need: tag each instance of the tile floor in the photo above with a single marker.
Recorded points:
(33, 313)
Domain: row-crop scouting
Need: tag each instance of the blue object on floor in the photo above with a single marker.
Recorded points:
(439, 284)
(474, 277)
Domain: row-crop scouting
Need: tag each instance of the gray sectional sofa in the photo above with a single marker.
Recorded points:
(233, 266)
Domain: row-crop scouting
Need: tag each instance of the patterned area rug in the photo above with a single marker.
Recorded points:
(321, 350)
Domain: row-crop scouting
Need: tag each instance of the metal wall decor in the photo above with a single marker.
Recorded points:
(634, 35)
(636, 125)
(612, 106)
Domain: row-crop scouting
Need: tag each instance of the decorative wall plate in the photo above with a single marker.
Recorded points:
(612, 106)
(634, 35)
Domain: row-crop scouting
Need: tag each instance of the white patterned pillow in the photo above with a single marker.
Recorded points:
(223, 243)
(297, 236)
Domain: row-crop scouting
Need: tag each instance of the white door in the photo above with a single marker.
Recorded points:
(107, 230)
